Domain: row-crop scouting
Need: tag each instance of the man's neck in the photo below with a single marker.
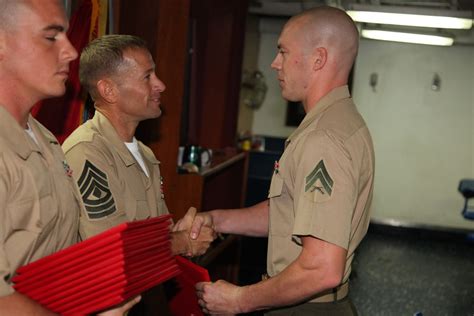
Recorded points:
(318, 92)
(20, 115)
(17, 101)
(124, 128)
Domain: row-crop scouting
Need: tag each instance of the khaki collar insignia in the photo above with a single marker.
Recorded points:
(319, 173)
(95, 192)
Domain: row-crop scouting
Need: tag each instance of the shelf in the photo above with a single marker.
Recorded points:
(221, 162)
(221, 185)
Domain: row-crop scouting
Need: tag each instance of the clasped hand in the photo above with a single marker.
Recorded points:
(199, 241)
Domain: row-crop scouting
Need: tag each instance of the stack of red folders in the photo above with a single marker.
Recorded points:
(102, 271)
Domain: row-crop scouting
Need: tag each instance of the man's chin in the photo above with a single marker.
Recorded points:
(158, 113)
(288, 97)
(155, 115)
(55, 93)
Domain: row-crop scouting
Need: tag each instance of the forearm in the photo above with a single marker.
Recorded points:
(291, 286)
(250, 221)
(314, 271)
(20, 305)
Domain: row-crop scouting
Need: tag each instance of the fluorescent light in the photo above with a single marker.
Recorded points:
(443, 22)
(407, 37)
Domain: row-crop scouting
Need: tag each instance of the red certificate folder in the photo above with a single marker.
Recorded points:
(191, 274)
(102, 271)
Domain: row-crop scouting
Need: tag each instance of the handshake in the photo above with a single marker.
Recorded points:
(193, 234)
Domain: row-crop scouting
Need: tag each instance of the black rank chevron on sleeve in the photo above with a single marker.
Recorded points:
(319, 173)
(95, 192)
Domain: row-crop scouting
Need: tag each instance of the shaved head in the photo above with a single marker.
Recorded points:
(7, 12)
(330, 28)
(316, 51)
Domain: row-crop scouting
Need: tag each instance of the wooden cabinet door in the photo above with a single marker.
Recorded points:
(217, 38)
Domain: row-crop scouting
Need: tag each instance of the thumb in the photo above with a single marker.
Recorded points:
(131, 303)
(196, 227)
(187, 220)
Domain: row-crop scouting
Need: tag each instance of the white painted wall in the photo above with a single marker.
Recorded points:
(270, 118)
(424, 139)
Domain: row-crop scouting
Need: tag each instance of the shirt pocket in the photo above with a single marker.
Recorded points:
(33, 215)
(142, 210)
(276, 185)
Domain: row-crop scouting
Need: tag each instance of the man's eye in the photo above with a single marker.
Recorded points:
(52, 39)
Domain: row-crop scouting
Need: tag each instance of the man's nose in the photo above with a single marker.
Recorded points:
(69, 52)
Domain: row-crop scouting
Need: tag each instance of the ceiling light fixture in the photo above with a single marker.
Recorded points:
(408, 37)
(442, 22)
(440, 19)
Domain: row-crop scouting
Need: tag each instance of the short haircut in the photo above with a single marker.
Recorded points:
(103, 56)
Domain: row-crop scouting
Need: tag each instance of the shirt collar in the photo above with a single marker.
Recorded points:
(106, 129)
(15, 136)
(332, 97)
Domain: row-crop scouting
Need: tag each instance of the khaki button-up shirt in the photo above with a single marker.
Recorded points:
(322, 185)
(114, 187)
(39, 201)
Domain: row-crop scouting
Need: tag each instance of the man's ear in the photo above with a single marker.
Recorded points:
(107, 90)
(320, 58)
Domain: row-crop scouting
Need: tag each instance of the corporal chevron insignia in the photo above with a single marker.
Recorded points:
(95, 192)
(319, 173)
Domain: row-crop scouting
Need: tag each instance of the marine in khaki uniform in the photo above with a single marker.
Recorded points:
(317, 210)
(39, 210)
(119, 177)
(325, 176)
(39, 199)
(114, 187)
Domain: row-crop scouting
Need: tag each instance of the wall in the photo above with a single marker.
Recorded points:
(270, 118)
(424, 139)
(249, 64)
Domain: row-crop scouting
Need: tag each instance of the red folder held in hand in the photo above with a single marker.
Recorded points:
(184, 303)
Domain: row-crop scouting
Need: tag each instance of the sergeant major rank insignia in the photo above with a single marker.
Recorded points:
(319, 184)
(95, 192)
